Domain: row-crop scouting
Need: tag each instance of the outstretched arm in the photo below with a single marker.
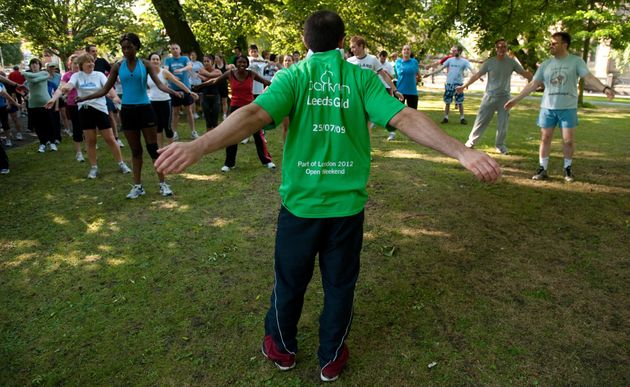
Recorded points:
(533, 85)
(435, 72)
(388, 79)
(178, 156)
(422, 130)
(591, 80)
(153, 74)
(471, 80)
(260, 79)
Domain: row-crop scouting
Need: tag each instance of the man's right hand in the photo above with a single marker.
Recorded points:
(484, 167)
(178, 156)
(509, 104)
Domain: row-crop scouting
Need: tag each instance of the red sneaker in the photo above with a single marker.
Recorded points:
(284, 361)
(332, 370)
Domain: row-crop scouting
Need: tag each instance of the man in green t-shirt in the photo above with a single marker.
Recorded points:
(326, 164)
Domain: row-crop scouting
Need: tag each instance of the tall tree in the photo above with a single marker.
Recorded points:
(63, 26)
(177, 28)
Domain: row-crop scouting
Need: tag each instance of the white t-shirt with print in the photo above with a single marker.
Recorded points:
(87, 84)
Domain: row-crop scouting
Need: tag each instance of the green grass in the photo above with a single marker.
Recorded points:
(519, 282)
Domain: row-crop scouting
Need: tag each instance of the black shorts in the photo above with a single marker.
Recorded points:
(137, 117)
(223, 89)
(185, 101)
(91, 118)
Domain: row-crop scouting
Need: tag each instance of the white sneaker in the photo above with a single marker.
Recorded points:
(93, 172)
(80, 157)
(225, 168)
(4, 171)
(8, 142)
(196, 115)
(136, 190)
(391, 137)
(120, 143)
(68, 132)
(224, 116)
(18, 136)
(165, 189)
(270, 165)
(123, 167)
(53, 147)
(42, 148)
(469, 145)
(57, 142)
(175, 136)
(245, 141)
(194, 135)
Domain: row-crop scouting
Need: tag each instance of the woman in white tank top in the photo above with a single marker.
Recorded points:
(161, 101)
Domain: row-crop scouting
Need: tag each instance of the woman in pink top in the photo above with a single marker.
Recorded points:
(72, 109)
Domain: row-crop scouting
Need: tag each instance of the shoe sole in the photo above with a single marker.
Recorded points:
(280, 367)
(326, 380)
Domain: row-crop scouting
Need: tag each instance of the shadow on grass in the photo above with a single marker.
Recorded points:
(511, 283)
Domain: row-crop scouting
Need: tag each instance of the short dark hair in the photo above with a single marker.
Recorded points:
(242, 56)
(131, 38)
(323, 30)
(35, 60)
(154, 53)
(499, 40)
(273, 57)
(88, 46)
(383, 53)
(566, 38)
(253, 47)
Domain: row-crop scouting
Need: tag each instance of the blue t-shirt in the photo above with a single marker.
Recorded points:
(407, 71)
(175, 64)
(456, 67)
(134, 83)
(560, 77)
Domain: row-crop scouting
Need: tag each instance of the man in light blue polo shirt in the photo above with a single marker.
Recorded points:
(559, 75)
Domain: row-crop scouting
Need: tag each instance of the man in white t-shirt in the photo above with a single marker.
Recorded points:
(369, 62)
(558, 107)
(456, 65)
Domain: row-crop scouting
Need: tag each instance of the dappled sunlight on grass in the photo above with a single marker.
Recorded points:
(60, 220)
(170, 205)
(19, 260)
(191, 176)
(220, 222)
(95, 226)
(416, 232)
(518, 177)
(409, 154)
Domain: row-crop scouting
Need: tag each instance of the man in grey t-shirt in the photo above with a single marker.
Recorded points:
(499, 69)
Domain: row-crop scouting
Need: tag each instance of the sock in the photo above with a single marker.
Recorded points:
(461, 116)
(567, 163)
(544, 162)
(446, 116)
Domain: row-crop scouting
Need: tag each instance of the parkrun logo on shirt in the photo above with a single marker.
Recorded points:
(326, 85)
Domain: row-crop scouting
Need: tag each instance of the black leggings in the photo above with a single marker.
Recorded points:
(41, 120)
(4, 120)
(77, 130)
(412, 100)
(162, 110)
(261, 147)
(211, 105)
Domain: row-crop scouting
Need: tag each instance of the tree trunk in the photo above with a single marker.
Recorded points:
(177, 27)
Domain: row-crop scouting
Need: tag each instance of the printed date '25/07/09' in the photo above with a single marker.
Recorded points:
(329, 128)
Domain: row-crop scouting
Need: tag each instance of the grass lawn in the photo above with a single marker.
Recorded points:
(520, 282)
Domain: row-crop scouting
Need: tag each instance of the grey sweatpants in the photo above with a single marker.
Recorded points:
(489, 105)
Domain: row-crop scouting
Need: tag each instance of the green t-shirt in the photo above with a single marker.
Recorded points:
(326, 161)
(560, 77)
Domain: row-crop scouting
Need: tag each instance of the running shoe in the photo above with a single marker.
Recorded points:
(42, 148)
(93, 172)
(284, 361)
(392, 136)
(136, 190)
(270, 165)
(541, 174)
(175, 136)
(196, 115)
(469, 144)
(18, 136)
(53, 147)
(332, 370)
(194, 135)
(80, 157)
(165, 189)
(68, 132)
(245, 141)
(225, 168)
(444, 121)
(8, 142)
(501, 149)
(568, 174)
(4, 171)
(123, 167)
(120, 143)
(463, 121)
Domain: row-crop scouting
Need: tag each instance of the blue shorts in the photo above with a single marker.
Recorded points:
(449, 92)
(564, 118)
